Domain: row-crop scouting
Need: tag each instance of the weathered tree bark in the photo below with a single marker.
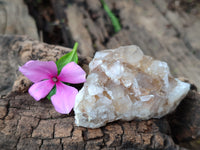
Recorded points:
(158, 31)
(27, 124)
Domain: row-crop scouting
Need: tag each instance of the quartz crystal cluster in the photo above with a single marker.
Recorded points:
(124, 84)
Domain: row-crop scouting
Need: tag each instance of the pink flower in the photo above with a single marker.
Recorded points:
(44, 74)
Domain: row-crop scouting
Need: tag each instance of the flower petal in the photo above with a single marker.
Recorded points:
(64, 99)
(40, 89)
(36, 70)
(72, 73)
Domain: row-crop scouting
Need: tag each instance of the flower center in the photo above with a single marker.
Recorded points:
(54, 79)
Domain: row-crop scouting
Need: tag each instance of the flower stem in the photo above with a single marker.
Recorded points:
(113, 18)
(75, 47)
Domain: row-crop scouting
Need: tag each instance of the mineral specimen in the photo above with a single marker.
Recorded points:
(124, 84)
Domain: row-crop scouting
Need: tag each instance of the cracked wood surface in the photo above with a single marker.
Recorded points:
(161, 33)
(28, 124)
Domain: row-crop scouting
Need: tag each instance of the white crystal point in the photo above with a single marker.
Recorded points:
(124, 84)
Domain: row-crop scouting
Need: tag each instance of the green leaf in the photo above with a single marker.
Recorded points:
(113, 18)
(53, 92)
(67, 58)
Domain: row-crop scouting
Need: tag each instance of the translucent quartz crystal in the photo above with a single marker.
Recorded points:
(124, 84)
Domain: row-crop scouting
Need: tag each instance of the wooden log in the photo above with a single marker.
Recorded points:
(28, 124)
(158, 31)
